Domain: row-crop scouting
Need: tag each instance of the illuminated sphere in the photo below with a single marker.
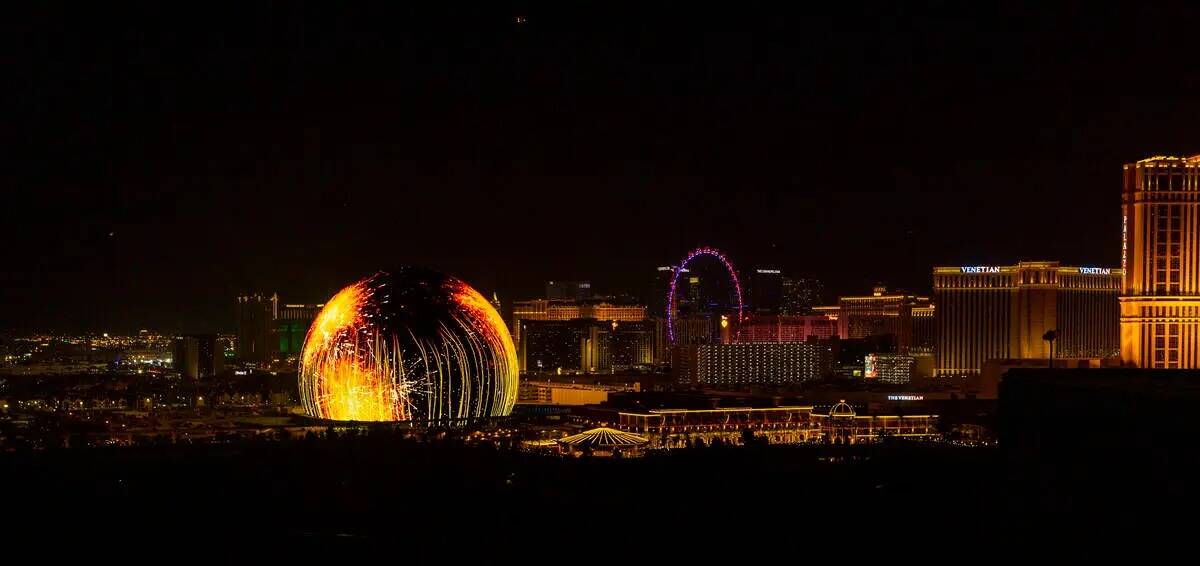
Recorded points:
(412, 345)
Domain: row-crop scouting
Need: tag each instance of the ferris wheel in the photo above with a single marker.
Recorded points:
(679, 269)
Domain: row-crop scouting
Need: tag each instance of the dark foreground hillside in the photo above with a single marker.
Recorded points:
(385, 488)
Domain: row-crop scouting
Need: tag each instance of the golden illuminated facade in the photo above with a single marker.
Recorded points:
(1160, 298)
(557, 309)
(608, 311)
(541, 309)
(924, 321)
(585, 345)
(908, 318)
(679, 428)
(562, 393)
(620, 346)
(1003, 312)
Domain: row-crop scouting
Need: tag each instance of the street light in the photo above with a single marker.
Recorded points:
(1050, 336)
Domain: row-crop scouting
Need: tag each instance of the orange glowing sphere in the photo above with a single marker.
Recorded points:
(411, 345)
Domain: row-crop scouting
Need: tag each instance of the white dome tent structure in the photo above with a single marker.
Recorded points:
(604, 442)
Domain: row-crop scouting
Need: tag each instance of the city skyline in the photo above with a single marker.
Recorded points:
(618, 296)
(444, 279)
(142, 202)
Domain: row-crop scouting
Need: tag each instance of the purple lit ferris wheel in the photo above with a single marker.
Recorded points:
(737, 286)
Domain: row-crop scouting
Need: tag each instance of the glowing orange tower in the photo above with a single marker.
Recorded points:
(1160, 250)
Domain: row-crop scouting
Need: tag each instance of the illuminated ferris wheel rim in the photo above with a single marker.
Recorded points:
(705, 250)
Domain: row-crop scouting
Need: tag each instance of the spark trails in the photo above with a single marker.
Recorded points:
(411, 346)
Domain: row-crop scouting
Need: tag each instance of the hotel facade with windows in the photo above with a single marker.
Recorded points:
(570, 309)
(909, 318)
(679, 428)
(1003, 312)
(1160, 297)
(752, 363)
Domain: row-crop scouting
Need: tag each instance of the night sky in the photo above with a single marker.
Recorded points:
(156, 162)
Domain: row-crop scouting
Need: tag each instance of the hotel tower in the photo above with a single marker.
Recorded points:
(988, 312)
(1160, 250)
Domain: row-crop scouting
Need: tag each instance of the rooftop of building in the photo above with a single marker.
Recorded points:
(785, 318)
(613, 301)
(604, 437)
(611, 386)
(1167, 159)
(881, 292)
(991, 269)
(890, 296)
(841, 409)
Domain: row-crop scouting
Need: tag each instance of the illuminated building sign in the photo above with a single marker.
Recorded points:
(906, 397)
(869, 370)
(1124, 239)
(1095, 271)
(769, 271)
(980, 269)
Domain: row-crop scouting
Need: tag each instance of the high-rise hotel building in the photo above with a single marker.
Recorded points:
(1003, 312)
(569, 309)
(1160, 297)
(908, 318)
(752, 363)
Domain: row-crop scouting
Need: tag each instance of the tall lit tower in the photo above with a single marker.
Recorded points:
(1160, 249)
(256, 314)
(766, 291)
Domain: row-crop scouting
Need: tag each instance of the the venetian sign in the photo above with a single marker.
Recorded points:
(980, 269)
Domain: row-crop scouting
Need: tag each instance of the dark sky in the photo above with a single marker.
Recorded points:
(157, 162)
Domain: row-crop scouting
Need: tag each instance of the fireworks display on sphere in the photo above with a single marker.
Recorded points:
(409, 345)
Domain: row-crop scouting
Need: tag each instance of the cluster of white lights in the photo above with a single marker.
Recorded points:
(759, 362)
